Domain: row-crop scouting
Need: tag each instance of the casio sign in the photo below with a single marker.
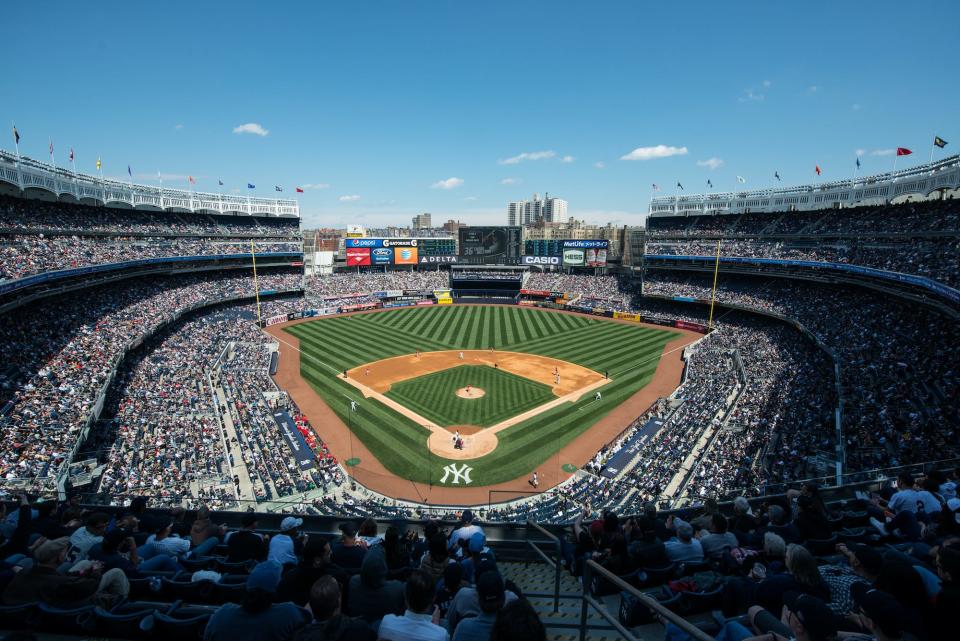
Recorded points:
(541, 260)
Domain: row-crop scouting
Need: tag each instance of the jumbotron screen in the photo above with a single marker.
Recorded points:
(490, 245)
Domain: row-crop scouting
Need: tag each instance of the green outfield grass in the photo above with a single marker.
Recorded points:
(433, 396)
(330, 345)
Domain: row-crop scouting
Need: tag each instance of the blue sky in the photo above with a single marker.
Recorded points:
(386, 109)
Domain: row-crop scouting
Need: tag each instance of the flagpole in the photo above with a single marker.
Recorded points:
(713, 293)
(53, 162)
(160, 178)
(932, 145)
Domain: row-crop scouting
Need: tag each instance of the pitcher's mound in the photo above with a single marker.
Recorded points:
(473, 392)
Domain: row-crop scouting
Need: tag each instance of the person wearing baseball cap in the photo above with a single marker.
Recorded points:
(258, 617)
(491, 595)
(284, 547)
(804, 618)
(466, 529)
(348, 552)
(878, 612)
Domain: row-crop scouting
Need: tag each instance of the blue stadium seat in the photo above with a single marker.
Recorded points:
(123, 621)
(185, 623)
(63, 620)
(17, 617)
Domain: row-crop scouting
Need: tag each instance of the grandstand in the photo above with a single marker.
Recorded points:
(140, 383)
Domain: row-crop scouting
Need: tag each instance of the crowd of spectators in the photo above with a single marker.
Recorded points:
(19, 216)
(60, 354)
(792, 567)
(898, 390)
(398, 583)
(337, 286)
(22, 255)
(597, 287)
(912, 238)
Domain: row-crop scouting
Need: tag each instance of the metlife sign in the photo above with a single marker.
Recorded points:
(586, 244)
(437, 260)
(540, 260)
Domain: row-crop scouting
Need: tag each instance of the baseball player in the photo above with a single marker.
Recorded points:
(353, 406)
(597, 397)
(461, 356)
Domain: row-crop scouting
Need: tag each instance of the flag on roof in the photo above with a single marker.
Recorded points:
(903, 151)
(250, 186)
(220, 182)
(98, 163)
(741, 179)
(816, 168)
(656, 187)
(129, 171)
(16, 136)
(709, 184)
(192, 180)
(679, 185)
(939, 142)
(299, 190)
(51, 147)
(858, 163)
(776, 175)
(71, 154)
(278, 188)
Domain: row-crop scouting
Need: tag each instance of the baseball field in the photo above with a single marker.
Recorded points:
(518, 383)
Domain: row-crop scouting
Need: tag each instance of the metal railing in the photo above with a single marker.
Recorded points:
(556, 561)
(591, 568)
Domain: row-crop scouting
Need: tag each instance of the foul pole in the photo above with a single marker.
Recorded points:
(713, 293)
(256, 286)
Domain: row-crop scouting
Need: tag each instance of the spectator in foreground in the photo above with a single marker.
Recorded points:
(417, 623)
(45, 583)
(328, 622)
(683, 547)
(463, 532)
(246, 544)
(314, 565)
(492, 595)
(371, 595)
(518, 621)
(258, 618)
(348, 552)
(285, 546)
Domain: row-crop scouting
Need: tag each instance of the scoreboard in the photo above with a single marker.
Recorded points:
(490, 245)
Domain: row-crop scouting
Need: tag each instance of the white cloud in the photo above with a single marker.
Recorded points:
(306, 186)
(767, 84)
(178, 127)
(883, 152)
(855, 106)
(712, 163)
(813, 89)
(251, 128)
(449, 183)
(750, 95)
(349, 199)
(599, 164)
(510, 181)
(659, 151)
(471, 198)
(567, 159)
(527, 155)
(860, 152)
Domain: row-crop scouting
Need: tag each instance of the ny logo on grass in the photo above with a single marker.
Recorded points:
(462, 473)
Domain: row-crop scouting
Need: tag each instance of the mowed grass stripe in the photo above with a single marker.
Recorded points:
(376, 330)
(400, 444)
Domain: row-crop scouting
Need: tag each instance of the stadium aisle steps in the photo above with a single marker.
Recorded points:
(539, 577)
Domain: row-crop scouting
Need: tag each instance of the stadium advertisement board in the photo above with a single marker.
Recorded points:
(357, 308)
(381, 255)
(424, 302)
(632, 447)
(302, 453)
(490, 245)
(437, 260)
(573, 257)
(358, 257)
(370, 243)
(627, 316)
(697, 327)
(540, 260)
(273, 320)
(404, 255)
(400, 303)
(356, 231)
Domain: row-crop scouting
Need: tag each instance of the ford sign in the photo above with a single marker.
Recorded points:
(381, 255)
